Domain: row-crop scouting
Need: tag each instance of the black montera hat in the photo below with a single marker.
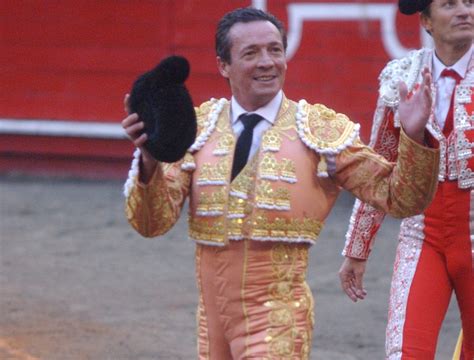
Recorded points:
(163, 103)
(409, 7)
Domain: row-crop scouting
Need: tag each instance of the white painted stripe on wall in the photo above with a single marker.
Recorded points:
(62, 128)
(298, 13)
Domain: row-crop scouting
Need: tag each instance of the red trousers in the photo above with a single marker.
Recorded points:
(254, 301)
(429, 274)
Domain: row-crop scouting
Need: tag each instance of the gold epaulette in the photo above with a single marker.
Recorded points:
(207, 115)
(324, 130)
(202, 113)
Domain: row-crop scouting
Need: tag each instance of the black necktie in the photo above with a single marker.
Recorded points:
(242, 148)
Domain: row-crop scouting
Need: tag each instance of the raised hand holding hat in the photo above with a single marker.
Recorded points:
(163, 103)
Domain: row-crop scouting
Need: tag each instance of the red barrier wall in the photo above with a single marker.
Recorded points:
(75, 60)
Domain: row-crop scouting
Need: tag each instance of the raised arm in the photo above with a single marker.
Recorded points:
(134, 128)
(414, 110)
(155, 192)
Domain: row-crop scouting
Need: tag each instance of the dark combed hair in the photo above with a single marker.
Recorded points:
(242, 15)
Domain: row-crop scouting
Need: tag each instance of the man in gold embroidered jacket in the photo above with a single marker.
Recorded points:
(252, 233)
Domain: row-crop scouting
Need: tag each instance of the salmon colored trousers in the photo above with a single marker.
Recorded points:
(254, 301)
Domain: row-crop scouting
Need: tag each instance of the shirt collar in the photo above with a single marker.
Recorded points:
(460, 66)
(269, 111)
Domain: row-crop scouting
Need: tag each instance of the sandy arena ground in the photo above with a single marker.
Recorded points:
(76, 282)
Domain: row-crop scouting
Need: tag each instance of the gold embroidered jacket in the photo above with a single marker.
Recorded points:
(287, 190)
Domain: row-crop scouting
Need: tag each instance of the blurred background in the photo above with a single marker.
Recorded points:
(65, 67)
(76, 282)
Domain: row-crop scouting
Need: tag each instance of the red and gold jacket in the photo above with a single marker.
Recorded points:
(287, 190)
(456, 157)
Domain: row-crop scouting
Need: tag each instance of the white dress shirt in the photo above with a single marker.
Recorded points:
(269, 113)
(445, 85)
